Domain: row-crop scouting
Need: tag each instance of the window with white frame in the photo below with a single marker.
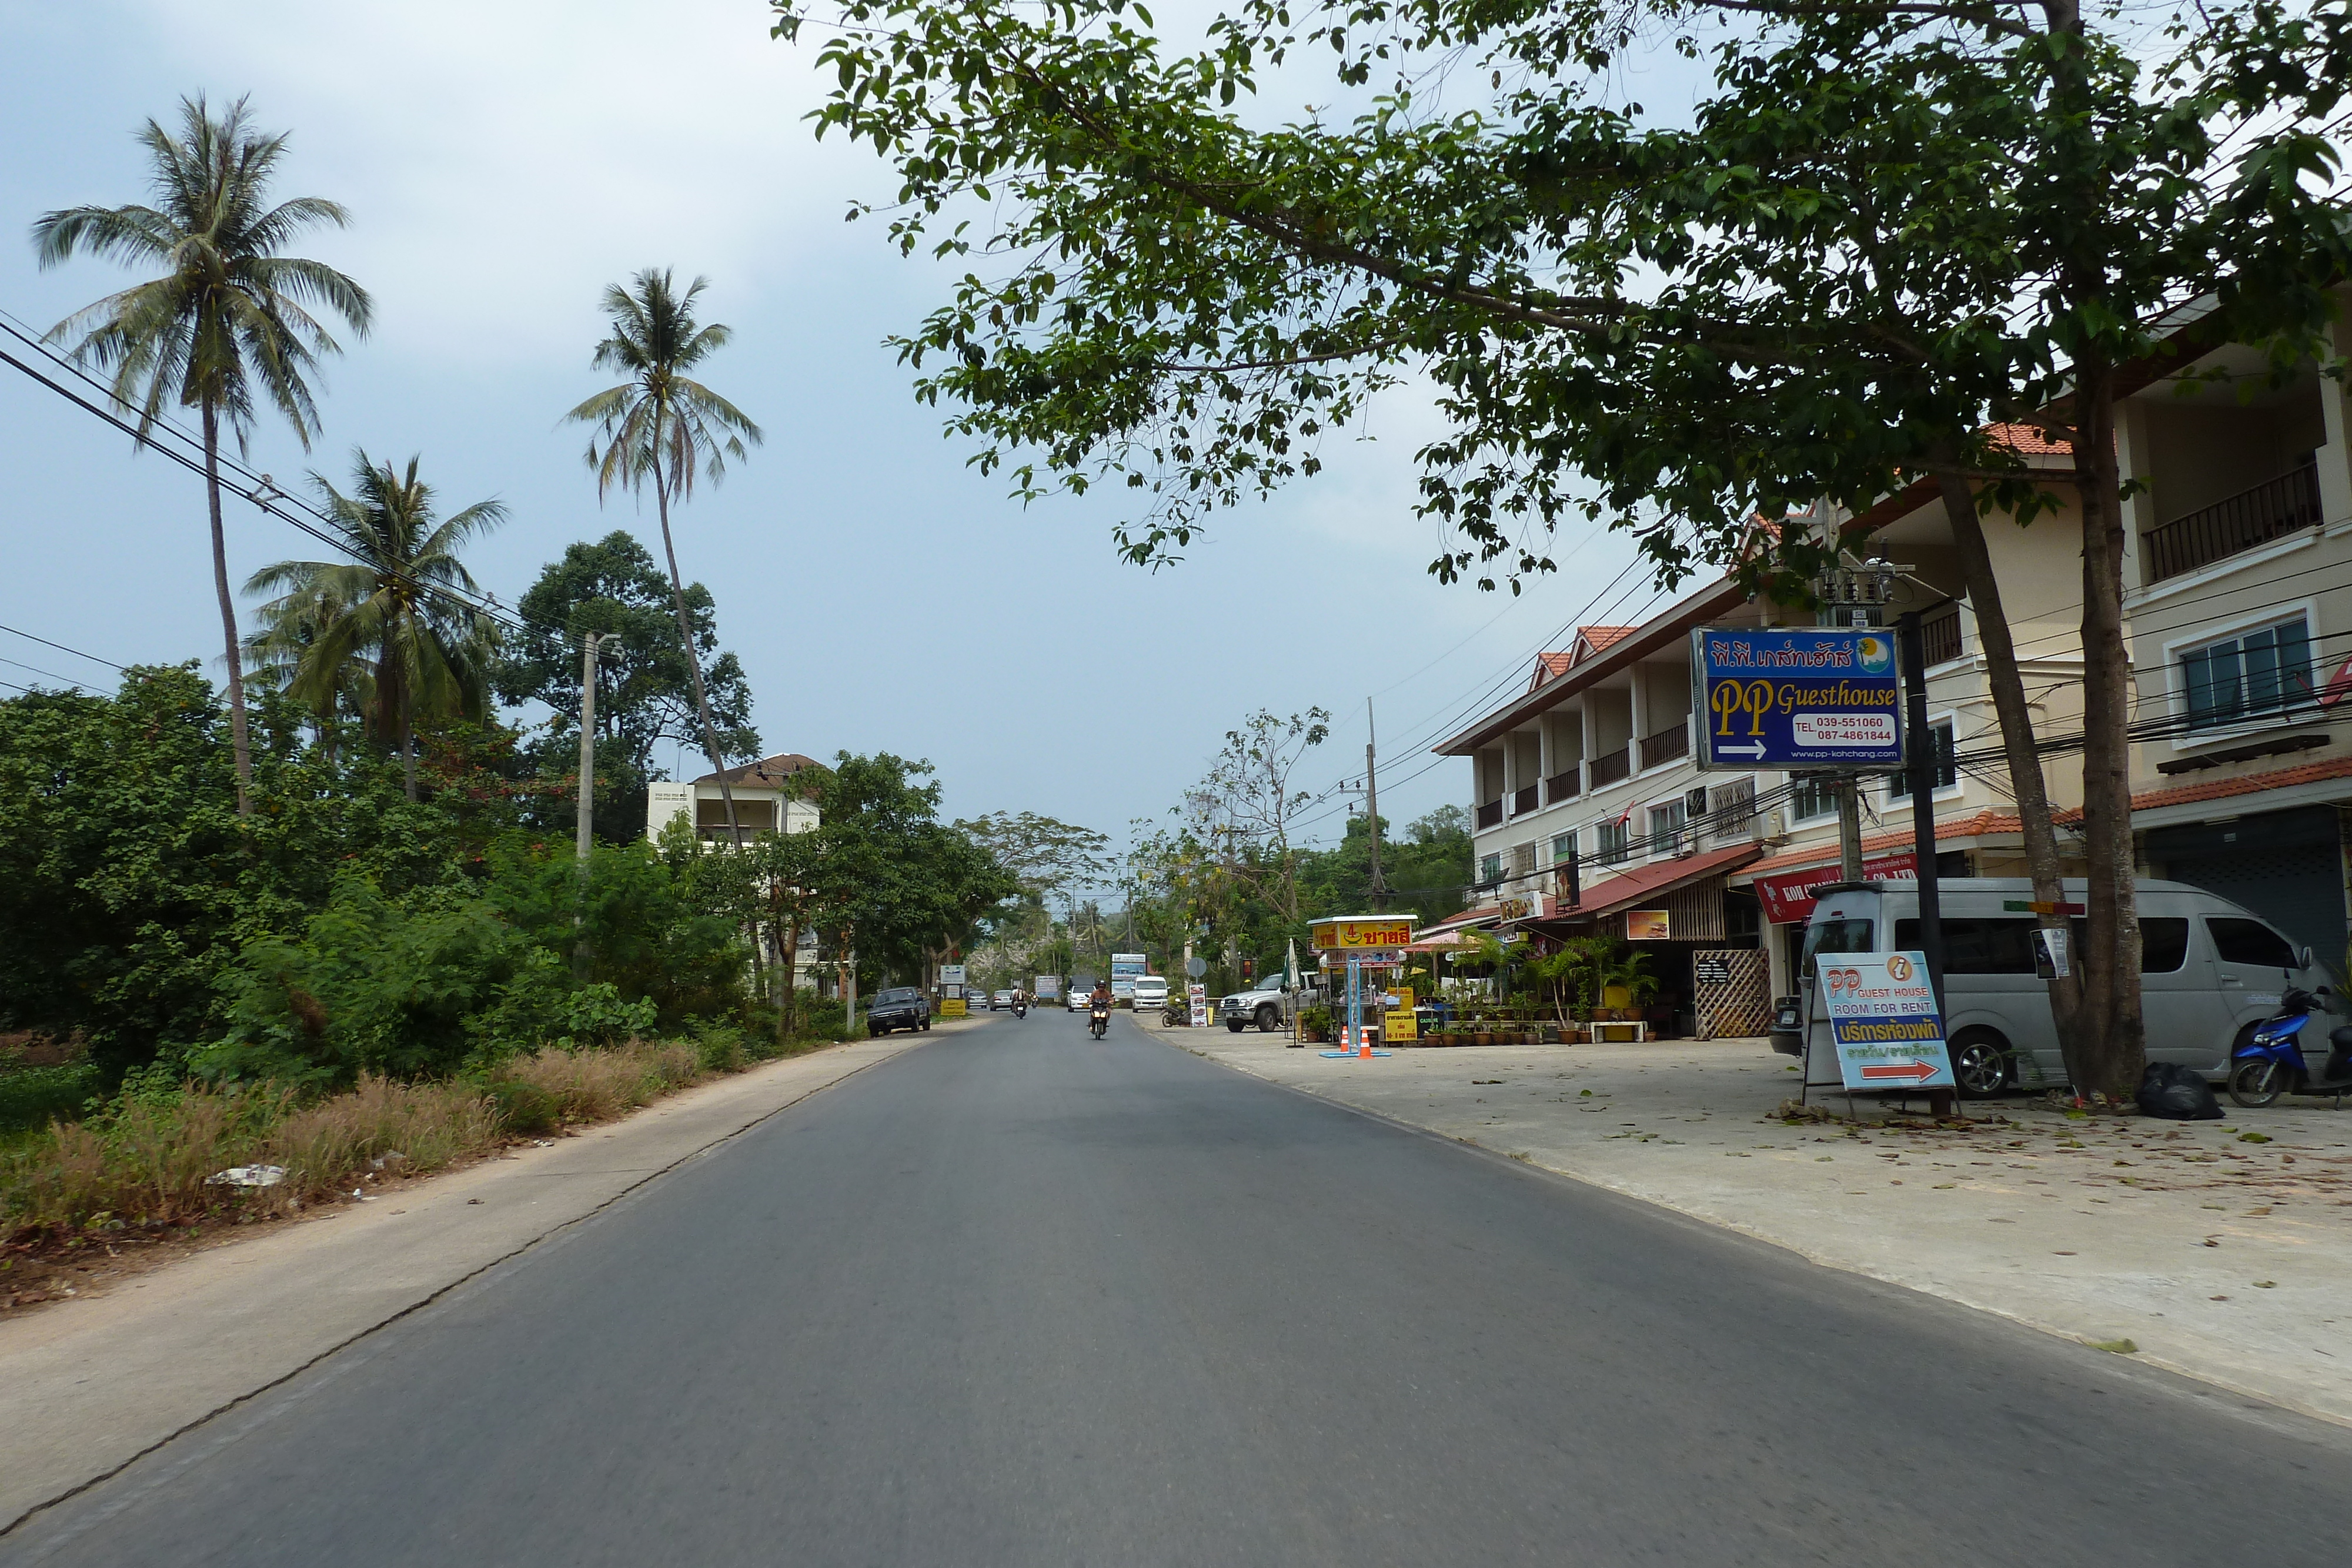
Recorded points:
(2247, 675)
(1810, 797)
(1523, 859)
(1490, 869)
(1611, 841)
(1563, 846)
(1666, 827)
(1947, 765)
(1733, 806)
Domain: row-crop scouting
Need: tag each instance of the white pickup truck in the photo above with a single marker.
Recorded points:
(1268, 1006)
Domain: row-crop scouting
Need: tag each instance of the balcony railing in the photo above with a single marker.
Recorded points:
(1526, 800)
(1490, 815)
(1939, 635)
(2270, 510)
(1666, 745)
(1563, 786)
(1609, 769)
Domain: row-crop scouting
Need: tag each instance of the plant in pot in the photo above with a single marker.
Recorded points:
(1314, 1024)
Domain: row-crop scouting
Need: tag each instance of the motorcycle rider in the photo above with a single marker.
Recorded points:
(1099, 1006)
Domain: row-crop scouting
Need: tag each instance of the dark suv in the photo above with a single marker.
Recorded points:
(899, 1007)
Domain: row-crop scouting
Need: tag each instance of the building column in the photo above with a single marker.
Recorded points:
(2334, 459)
(2133, 456)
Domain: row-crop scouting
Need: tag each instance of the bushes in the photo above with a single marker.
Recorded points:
(30, 1096)
(145, 1159)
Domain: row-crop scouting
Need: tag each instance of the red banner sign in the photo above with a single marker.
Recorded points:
(1788, 897)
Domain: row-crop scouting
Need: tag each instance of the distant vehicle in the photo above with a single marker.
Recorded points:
(1150, 991)
(899, 1006)
(1078, 1002)
(1263, 1006)
(1001, 999)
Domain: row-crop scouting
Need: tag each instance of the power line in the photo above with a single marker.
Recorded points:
(62, 648)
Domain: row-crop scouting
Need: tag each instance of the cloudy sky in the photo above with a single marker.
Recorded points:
(503, 161)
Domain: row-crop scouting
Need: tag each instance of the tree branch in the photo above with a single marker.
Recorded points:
(1974, 16)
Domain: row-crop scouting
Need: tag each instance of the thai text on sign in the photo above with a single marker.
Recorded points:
(1884, 1020)
(1351, 936)
(1797, 696)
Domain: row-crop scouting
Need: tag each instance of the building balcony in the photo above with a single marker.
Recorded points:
(1613, 768)
(1490, 815)
(1564, 786)
(2270, 510)
(1525, 801)
(1667, 744)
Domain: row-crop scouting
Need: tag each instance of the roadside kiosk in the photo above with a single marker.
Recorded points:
(1364, 948)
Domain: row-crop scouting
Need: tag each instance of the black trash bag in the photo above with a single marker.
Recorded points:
(2177, 1093)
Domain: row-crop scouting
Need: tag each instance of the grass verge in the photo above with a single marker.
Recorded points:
(149, 1163)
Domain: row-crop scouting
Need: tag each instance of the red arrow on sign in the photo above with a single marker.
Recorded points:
(1917, 1071)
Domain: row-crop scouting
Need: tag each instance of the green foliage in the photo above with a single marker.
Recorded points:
(31, 1096)
(644, 693)
(128, 881)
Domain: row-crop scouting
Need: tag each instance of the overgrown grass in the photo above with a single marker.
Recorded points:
(146, 1159)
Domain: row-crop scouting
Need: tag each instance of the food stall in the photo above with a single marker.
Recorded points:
(1362, 953)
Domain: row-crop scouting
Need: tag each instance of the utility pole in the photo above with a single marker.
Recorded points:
(587, 741)
(1372, 809)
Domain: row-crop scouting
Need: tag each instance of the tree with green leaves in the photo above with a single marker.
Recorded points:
(645, 689)
(1886, 228)
(893, 881)
(662, 425)
(395, 626)
(226, 325)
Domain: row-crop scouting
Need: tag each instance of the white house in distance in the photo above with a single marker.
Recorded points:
(761, 802)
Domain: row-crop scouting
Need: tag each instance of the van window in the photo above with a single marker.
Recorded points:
(2239, 941)
(1836, 936)
(1973, 946)
(2163, 943)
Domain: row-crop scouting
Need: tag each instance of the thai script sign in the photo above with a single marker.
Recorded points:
(1788, 898)
(1791, 697)
(1884, 1020)
(1361, 932)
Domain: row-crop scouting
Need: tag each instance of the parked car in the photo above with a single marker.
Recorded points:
(999, 1001)
(1150, 991)
(2209, 971)
(1263, 1006)
(896, 1007)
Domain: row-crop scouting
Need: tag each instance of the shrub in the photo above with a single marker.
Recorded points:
(30, 1096)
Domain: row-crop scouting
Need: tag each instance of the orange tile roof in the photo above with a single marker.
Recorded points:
(1550, 666)
(2029, 440)
(1597, 638)
(1984, 824)
(2245, 784)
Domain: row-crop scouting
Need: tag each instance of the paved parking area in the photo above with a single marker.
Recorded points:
(2221, 1249)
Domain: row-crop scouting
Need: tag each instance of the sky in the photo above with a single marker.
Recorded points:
(502, 163)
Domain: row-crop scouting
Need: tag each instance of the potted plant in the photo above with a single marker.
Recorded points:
(1314, 1024)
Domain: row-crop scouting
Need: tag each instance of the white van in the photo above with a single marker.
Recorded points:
(2209, 971)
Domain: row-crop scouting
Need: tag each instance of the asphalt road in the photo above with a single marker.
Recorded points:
(1016, 1297)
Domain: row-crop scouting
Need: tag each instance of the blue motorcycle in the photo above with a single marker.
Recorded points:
(2270, 1063)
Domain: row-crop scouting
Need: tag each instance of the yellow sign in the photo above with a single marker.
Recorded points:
(1646, 925)
(953, 1008)
(1376, 930)
(1399, 1025)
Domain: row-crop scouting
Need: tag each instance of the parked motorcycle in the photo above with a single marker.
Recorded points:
(1099, 1018)
(2270, 1063)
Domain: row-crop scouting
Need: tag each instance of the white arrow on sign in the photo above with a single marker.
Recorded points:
(1757, 749)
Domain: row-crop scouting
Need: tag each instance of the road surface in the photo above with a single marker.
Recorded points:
(1019, 1299)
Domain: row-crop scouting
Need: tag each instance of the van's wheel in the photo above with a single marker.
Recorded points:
(1269, 1018)
(2256, 1083)
(1980, 1063)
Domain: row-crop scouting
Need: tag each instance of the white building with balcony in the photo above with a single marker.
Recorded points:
(764, 802)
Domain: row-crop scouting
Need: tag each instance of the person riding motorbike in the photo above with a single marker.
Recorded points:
(1099, 1008)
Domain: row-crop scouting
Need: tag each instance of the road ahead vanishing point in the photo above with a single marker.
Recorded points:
(1016, 1297)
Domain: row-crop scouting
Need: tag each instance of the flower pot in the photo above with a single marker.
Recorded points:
(1482, 1036)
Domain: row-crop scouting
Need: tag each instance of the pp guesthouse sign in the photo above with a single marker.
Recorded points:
(1798, 697)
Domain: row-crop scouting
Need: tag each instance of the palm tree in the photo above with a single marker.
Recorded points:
(387, 632)
(227, 317)
(661, 426)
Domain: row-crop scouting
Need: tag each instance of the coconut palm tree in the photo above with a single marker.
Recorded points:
(227, 324)
(661, 426)
(386, 631)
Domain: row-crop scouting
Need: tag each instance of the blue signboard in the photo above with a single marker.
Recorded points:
(1797, 696)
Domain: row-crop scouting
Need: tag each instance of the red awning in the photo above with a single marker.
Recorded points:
(1633, 887)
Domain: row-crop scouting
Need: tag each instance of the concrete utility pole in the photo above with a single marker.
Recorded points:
(1849, 805)
(587, 741)
(1372, 808)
